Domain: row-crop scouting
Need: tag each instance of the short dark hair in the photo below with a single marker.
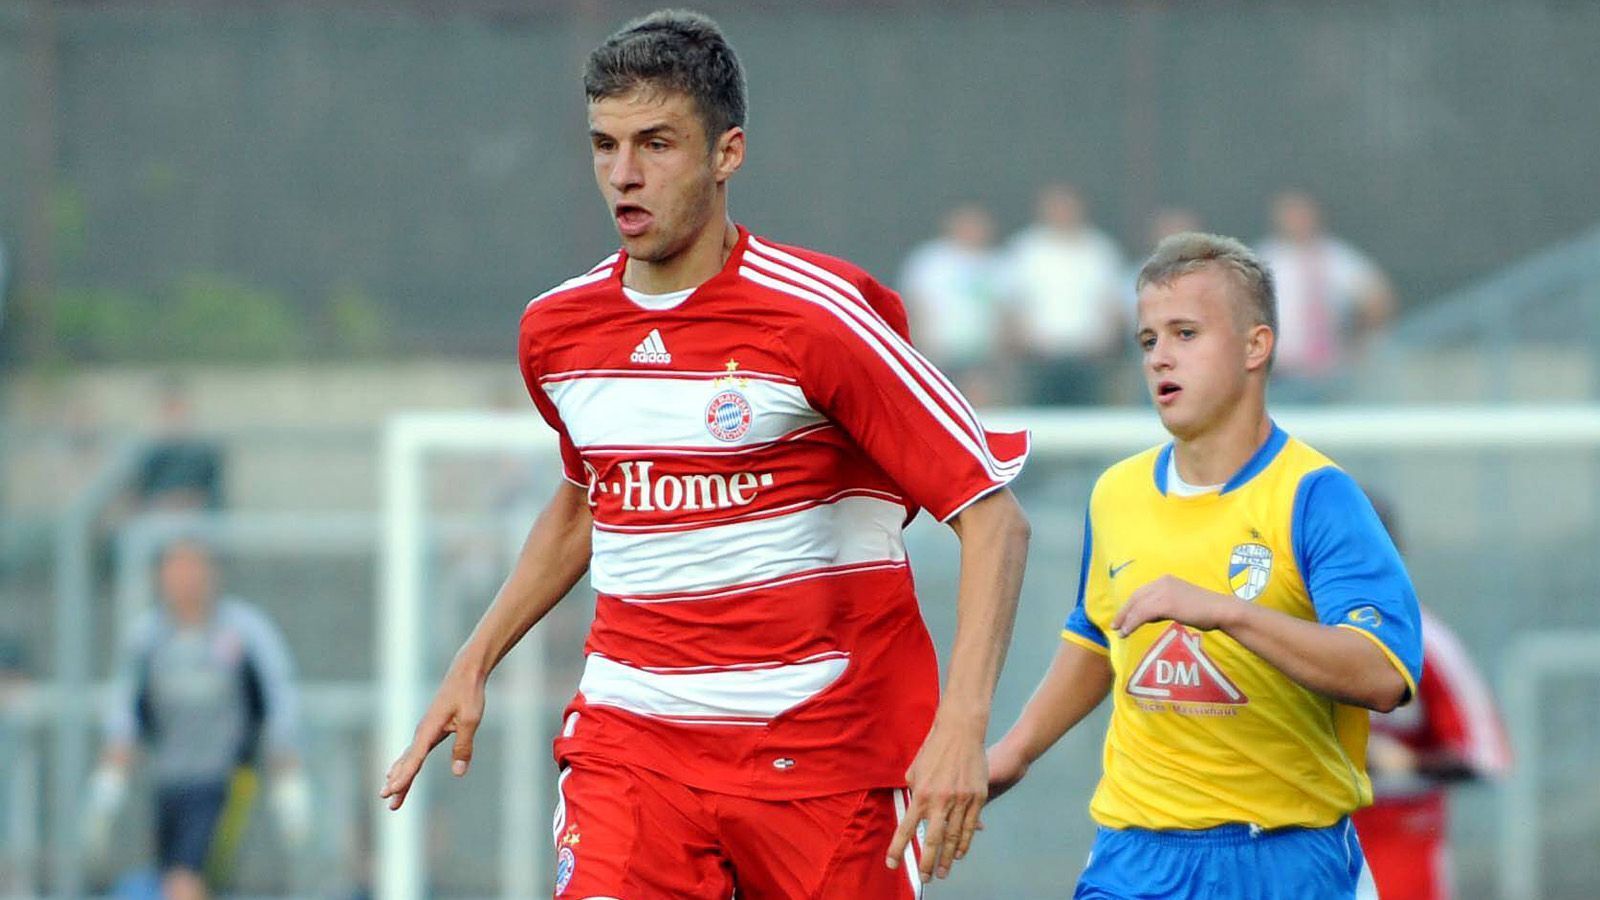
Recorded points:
(672, 50)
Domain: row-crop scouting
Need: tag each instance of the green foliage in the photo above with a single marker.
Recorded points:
(102, 324)
(205, 317)
(357, 326)
(214, 318)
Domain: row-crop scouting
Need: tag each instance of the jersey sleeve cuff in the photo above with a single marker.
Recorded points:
(574, 482)
(1411, 684)
(1015, 464)
(1070, 636)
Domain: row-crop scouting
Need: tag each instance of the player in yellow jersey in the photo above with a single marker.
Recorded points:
(1243, 606)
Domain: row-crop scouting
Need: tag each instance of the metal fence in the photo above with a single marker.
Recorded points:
(430, 157)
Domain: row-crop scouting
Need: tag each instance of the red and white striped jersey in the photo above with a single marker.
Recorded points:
(1453, 714)
(751, 457)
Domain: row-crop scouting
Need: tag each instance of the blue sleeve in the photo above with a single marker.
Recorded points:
(1078, 620)
(1352, 569)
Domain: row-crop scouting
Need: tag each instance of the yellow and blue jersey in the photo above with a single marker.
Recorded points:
(1203, 731)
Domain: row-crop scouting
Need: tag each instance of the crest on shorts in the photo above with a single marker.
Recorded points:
(1249, 567)
(566, 864)
(728, 416)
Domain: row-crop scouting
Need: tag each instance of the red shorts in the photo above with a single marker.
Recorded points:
(633, 834)
(1407, 848)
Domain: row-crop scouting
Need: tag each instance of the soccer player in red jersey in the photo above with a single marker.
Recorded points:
(745, 431)
(1451, 735)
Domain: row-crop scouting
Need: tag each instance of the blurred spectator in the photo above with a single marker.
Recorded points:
(1166, 222)
(1331, 297)
(204, 688)
(19, 776)
(1063, 277)
(1449, 734)
(182, 471)
(951, 289)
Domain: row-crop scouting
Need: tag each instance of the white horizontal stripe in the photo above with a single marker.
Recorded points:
(925, 370)
(595, 276)
(605, 262)
(731, 450)
(813, 575)
(674, 374)
(671, 412)
(708, 696)
(853, 530)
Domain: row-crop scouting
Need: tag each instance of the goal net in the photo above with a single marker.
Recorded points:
(1499, 518)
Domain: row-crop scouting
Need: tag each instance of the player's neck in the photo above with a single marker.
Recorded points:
(698, 263)
(1213, 456)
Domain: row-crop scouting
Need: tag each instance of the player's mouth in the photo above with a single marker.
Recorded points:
(1167, 392)
(632, 219)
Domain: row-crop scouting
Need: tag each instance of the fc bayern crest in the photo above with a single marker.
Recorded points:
(728, 416)
(1249, 567)
(566, 864)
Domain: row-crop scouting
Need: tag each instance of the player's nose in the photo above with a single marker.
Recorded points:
(1159, 357)
(625, 172)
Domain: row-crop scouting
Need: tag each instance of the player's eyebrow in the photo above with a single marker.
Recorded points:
(658, 130)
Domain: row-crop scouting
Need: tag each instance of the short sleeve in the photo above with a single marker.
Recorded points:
(1078, 628)
(859, 370)
(571, 460)
(1353, 571)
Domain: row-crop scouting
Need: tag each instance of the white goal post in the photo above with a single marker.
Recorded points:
(410, 439)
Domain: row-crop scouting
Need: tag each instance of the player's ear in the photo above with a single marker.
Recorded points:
(1259, 341)
(728, 154)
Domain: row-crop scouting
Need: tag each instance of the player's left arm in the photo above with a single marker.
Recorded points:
(1331, 660)
(860, 370)
(1365, 649)
(950, 775)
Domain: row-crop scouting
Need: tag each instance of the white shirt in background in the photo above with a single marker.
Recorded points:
(1066, 290)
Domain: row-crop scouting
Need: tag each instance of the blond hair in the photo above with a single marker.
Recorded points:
(1191, 251)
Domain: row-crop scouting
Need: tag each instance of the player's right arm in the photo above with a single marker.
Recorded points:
(1076, 682)
(553, 558)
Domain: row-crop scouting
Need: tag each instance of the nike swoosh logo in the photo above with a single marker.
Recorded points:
(1116, 569)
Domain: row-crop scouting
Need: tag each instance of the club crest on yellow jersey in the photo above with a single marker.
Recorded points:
(1249, 568)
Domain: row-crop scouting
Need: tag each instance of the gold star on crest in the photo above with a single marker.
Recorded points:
(731, 379)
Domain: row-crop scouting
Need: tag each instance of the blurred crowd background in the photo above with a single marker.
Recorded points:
(236, 237)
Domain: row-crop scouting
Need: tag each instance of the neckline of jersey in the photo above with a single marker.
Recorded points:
(735, 257)
(1252, 467)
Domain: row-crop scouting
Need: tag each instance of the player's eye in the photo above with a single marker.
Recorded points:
(1186, 333)
(657, 144)
(604, 145)
(1148, 343)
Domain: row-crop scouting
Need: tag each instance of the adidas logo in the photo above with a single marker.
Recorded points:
(652, 349)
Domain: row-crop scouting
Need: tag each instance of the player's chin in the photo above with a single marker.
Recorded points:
(1176, 418)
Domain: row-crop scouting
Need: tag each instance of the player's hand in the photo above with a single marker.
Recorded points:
(1171, 598)
(456, 709)
(1389, 758)
(1007, 766)
(949, 783)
